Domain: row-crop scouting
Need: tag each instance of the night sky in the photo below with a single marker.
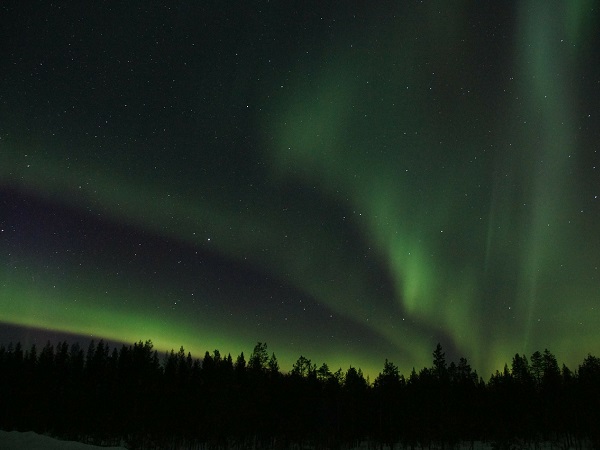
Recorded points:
(348, 181)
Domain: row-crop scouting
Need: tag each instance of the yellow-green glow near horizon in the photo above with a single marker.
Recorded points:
(395, 182)
(65, 308)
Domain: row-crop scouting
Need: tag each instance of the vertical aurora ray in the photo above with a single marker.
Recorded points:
(547, 67)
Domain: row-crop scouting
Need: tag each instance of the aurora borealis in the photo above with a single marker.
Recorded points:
(345, 181)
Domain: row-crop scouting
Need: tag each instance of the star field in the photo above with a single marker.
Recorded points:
(346, 183)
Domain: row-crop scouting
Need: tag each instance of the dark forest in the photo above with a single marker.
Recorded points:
(135, 397)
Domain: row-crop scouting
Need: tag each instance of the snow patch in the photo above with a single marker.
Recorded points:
(15, 440)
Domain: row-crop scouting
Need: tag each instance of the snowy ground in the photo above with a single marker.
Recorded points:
(14, 440)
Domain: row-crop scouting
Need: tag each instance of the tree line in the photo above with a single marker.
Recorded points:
(131, 395)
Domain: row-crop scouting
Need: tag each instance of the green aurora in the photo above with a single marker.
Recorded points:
(353, 187)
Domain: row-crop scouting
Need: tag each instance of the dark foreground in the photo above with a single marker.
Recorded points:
(129, 397)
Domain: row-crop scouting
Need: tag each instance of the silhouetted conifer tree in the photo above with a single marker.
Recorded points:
(240, 363)
(273, 365)
(259, 358)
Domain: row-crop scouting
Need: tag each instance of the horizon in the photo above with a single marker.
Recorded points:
(285, 366)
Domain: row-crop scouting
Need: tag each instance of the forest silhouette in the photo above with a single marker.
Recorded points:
(133, 396)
